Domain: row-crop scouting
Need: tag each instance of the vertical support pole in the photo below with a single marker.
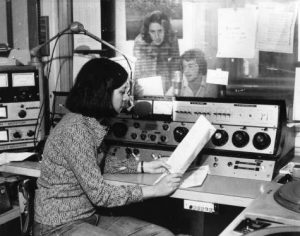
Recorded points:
(65, 45)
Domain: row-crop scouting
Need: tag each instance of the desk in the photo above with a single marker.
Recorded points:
(215, 189)
(10, 215)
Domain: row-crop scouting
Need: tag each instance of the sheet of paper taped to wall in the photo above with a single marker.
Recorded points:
(190, 146)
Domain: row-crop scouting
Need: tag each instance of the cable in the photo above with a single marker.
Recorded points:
(37, 128)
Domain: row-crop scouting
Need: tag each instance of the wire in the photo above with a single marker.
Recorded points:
(130, 73)
(38, 126)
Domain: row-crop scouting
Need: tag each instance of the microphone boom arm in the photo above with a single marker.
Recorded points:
(35, 51)
(85, 32)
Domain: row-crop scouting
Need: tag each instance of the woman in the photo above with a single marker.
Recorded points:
(156, 49)
(71, 184)
(194, 68)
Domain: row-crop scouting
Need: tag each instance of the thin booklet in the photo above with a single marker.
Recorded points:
(190, 146)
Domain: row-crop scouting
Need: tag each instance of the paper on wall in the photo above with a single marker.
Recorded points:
(217, 77)
(151, 86)
(276, 25)
(190, 146)
(237, 32)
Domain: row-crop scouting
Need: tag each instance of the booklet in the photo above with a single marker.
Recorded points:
(190, 146)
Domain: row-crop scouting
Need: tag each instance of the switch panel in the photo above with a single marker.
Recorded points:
(200, 206)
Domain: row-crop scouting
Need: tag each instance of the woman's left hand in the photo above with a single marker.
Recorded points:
(156, 166)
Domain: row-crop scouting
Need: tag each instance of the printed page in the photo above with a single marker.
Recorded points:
(276, 24)
(237, 32)
(190, 146)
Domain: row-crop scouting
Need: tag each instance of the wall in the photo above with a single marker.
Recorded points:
(3, 22)
(200, 31)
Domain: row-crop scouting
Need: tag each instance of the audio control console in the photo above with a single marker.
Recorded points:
(251, 138)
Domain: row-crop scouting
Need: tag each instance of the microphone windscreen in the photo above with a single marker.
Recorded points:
(76, 27)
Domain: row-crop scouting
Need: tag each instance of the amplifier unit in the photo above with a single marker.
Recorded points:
(19, 106)
(18, 137)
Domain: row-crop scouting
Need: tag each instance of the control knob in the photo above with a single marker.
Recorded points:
(30, 133)
(165, 126)
(119, 129)
(22, 113)
(261, 140)
(152, 137)
(180, 133)
(240, 138)
(163, 138)
(143, 136)
(220, 137)
(17, 134)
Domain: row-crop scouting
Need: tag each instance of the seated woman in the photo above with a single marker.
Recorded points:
(194, 68)
(71, 185)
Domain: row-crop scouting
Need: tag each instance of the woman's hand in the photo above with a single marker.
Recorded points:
(166, 186)
(157, 166)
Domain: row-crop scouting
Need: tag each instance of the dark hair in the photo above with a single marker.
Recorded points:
(92, 92)
(160, 18)
(200, 59)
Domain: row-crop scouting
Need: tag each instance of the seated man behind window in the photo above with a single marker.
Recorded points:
(194, 68)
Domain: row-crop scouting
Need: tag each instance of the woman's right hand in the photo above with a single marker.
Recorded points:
(168, 184)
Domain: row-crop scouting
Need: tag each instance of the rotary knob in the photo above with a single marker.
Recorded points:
(152, 137)
(179, 133)
(165, 126)
(220, 137)
(22, 113)
(163, 138)
(261, 140)
(30, 133)
(17, 134)
(143, 136)
(240, 138)
(119, 130)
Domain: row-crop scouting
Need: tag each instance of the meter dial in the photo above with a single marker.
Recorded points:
(240, 138)
(261, 140)
(180, 133)
(220, 137)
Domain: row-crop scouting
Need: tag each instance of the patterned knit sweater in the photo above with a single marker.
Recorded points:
(71, 183)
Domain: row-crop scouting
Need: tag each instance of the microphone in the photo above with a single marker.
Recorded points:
(142, 109)
(76, 27)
